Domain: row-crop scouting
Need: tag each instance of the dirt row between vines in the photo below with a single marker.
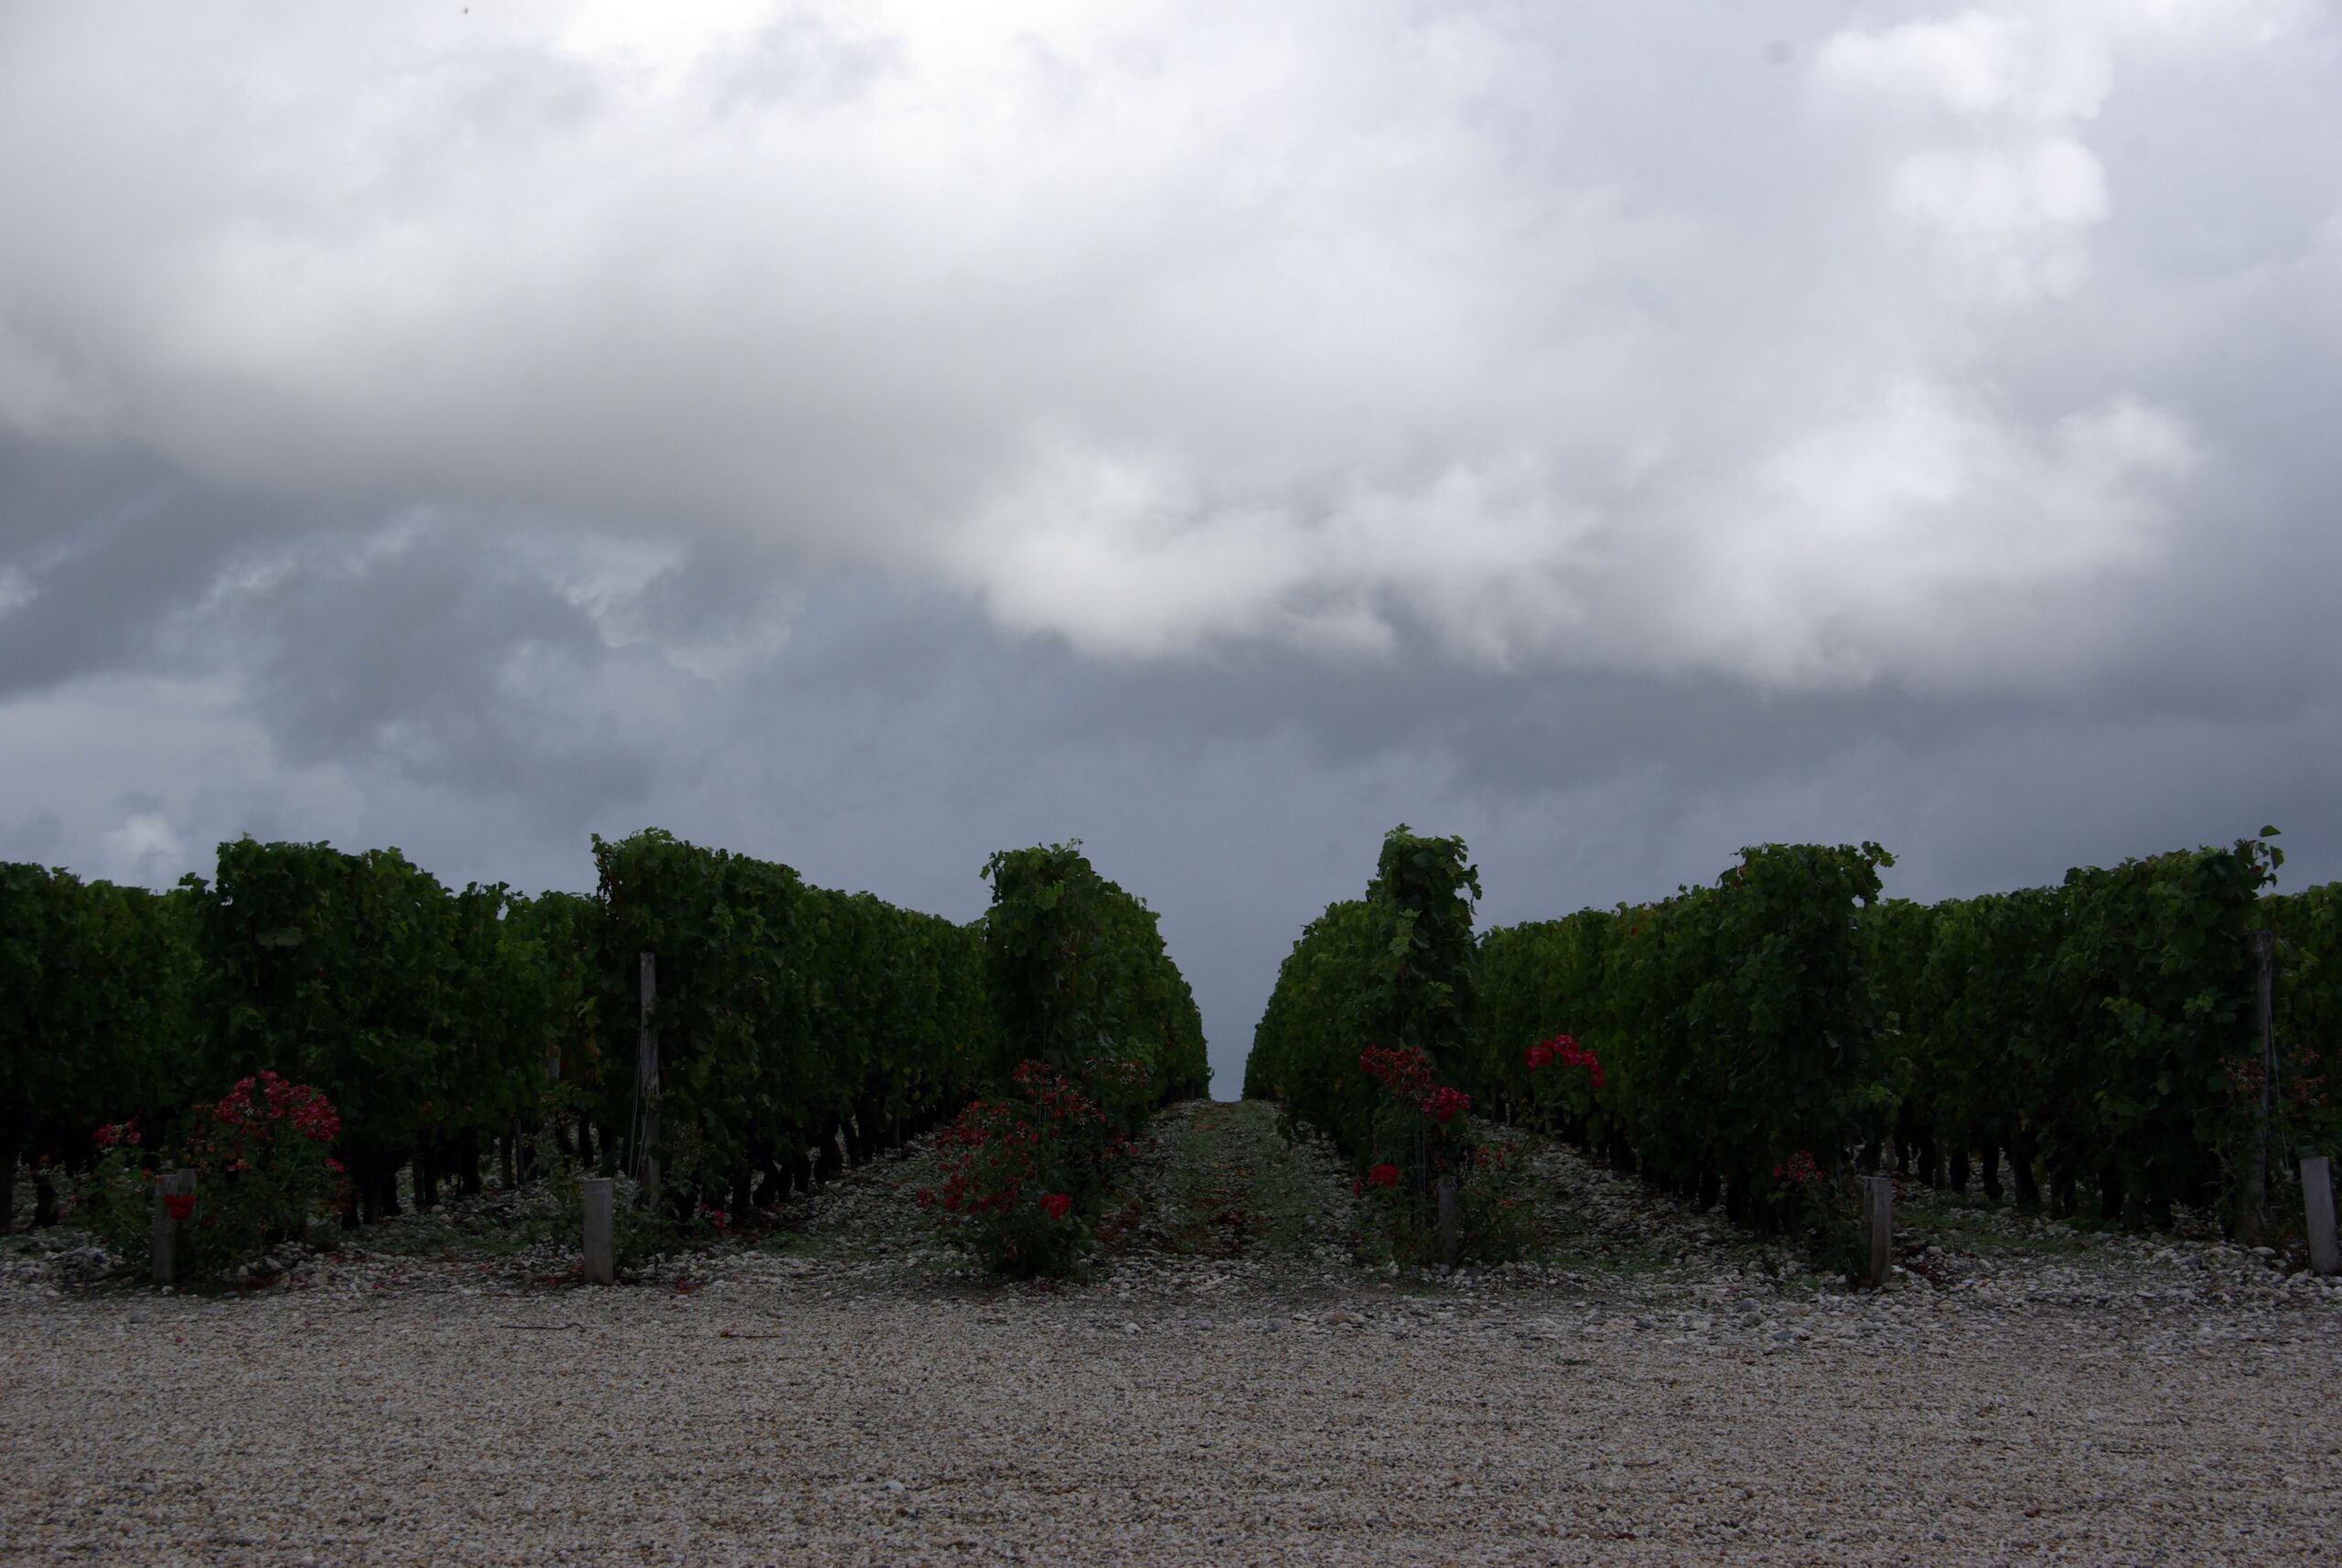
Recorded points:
(1230, 1387)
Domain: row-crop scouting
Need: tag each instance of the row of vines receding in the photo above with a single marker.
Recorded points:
(1760, 1041)
(420, 1030)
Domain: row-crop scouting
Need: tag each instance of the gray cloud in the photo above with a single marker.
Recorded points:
(1584, 340)
(872, 440)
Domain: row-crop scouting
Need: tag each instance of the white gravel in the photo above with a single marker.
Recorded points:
(2121, 1401)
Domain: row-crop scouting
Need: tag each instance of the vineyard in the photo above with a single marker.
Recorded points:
(1526, 1245)
(2153, 1034)
(2135, 1043)
(705, 1023)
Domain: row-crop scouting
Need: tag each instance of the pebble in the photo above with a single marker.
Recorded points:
(2123, 1399)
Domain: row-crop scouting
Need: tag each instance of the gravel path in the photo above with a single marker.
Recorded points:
(2107, 1401)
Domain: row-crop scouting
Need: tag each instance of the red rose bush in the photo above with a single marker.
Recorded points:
(262, 1166)
(1423, 1133)
(1024, 1175)
(1563, 1078)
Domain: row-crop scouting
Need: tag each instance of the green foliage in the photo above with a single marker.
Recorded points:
(1987, 1059)
(1305, 1048)
(412, 1008)
(1531, 982)
(2103, 1026)
(782, 1011)
(1419, 990)
(1897, 938)
(1734, 1025)
(262, 1172)
(2159, 980)
(1081, 980)
(2308, 1095)
(1737, 1024)
(1084, 990)
(97, 988)
(1370, 1010)
(550, 999)
(1025, 1174)
(435, 1018)
(1393, 970)
(1825, 1208)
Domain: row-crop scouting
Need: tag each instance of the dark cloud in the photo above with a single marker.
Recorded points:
(1217, 435)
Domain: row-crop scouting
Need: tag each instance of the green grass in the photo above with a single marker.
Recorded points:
(1218, 1180)
(1968, 1222)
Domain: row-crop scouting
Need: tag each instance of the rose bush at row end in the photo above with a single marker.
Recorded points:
(264, 1172)
(1424, 1135)
(1026, 1174)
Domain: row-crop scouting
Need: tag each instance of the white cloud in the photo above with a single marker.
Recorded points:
(2014, 213)
(2005, 184)
(1341, 324)
(144, 851)
(1978, 64)
(1988, 112)
(1152, 565)
(1900, 541)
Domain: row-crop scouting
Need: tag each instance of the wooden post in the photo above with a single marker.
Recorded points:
(175, 1184)
(2317, 1208)
(1449, 1242)
(646, 1085)
(1878, 1227)
(601, 1256)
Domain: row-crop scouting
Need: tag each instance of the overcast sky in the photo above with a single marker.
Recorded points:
(869, 436)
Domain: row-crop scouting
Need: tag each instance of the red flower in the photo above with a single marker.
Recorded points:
(1404, 1071)
(1384, 1175)
(1445, 1104)
(1799, 1168)
(1564, 1049)
(179, 1204)
(1056, 1205)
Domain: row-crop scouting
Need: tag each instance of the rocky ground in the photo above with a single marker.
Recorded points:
(1231, 1385)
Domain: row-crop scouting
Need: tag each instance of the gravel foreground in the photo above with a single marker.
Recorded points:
(2130, 1402)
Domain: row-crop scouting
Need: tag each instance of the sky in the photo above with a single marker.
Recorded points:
(869, 436)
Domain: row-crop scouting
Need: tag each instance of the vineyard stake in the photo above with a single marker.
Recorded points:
(2317, 1206)
(601, 1259)
(1449, 1246)
(646, 1085)
(1878, 1227)
(176, 1184)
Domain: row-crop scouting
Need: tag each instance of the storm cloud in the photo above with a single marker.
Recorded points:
(870, 436)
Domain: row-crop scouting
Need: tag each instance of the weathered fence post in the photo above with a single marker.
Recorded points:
(646, 1085)
(174, 1184)
(1878, 1227)
(2317, 1208)
(601, 1256)
(1449, 1242)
